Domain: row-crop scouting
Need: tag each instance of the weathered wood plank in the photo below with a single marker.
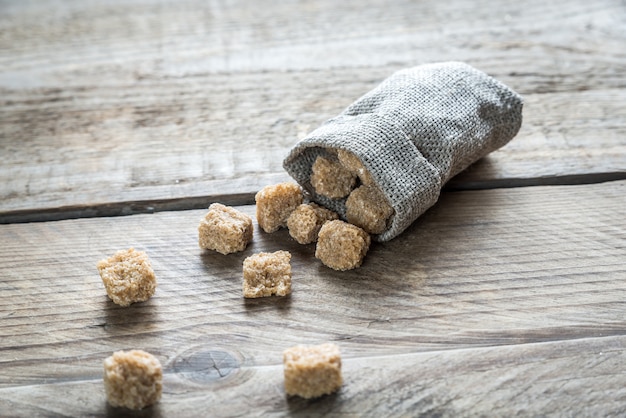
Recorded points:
(134, 171)
(582, 378)
(160, 102)
(515, 290)
(144, 39)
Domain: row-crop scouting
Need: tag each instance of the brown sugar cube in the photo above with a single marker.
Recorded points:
(275, 203)
(342, 246)
(305, 222)
(267, 274)
(331, 179)
(354, 164)
(128, 277)
(133, 379)
(368, 208)
(312, 371)
(225, 230)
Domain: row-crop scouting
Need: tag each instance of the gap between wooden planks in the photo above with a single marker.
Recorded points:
(468, 180)
(493, 300)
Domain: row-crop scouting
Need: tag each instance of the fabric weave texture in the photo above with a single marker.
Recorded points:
(413, 132)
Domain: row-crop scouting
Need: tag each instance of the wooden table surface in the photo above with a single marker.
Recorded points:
(508, 298)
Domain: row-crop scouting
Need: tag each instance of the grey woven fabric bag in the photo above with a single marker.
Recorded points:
(414, 132)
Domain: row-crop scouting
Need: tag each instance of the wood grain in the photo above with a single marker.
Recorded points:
(123, 107)
(570, 378)
(495, 301)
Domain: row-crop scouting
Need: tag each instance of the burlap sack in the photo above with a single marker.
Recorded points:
(414, 132)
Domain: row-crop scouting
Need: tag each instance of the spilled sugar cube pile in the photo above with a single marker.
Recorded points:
(364, 175)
